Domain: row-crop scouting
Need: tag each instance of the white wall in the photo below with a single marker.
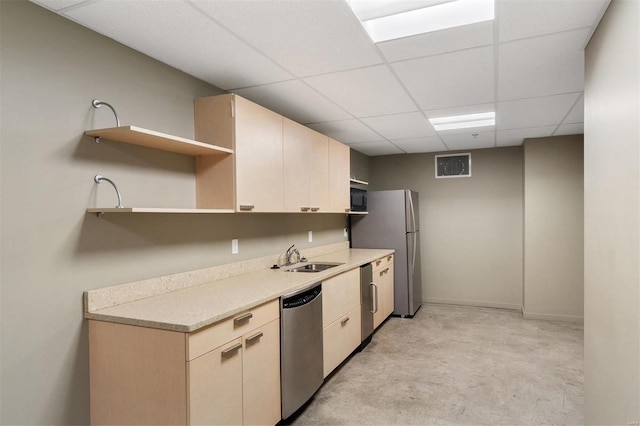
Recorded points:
(612, 218)
(51, 250)
(471, 228)
(553, 228)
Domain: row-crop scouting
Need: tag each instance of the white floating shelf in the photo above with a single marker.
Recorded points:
(156, 210)
(354, 213)
(360, 182)
(162, 141)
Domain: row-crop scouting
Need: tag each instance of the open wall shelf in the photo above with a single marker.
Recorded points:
(162, 141)
(99, 211)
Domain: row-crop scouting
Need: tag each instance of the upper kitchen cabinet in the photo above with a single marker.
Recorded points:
(339, 166)
(306, 169)
(253, 179)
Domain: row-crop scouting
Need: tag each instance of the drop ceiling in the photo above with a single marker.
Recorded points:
(311, 61)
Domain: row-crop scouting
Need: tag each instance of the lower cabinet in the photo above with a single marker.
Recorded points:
(227, 373)
(239, 382)
(383, 278)
(341, 318)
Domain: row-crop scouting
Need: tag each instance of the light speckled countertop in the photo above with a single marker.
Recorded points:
(195, 307)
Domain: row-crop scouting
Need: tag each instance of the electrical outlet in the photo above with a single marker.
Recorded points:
(310, 236)
(234, 246)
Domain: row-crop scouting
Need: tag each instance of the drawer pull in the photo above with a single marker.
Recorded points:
(315, 209)
(378, 262)
(304, 209)
(344, 321)
(247, 207)
(255, 337)
(231, 351)
(389, 258)
(242, 318)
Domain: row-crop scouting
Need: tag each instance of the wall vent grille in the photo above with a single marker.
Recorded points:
(453, 165)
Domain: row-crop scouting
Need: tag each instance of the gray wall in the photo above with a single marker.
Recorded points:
(553, 228)
(471, 228)
(612, 218)
(51, 250)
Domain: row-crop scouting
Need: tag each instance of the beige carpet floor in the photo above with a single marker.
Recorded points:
(457, 365)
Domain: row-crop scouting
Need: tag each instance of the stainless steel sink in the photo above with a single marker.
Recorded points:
(314, 267)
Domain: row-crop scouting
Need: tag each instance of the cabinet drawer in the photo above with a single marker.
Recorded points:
(382, 263)
(221, 332)
(340, 339)
(340, 294)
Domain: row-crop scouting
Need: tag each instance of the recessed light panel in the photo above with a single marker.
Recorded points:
(388, 19)
(483, 119)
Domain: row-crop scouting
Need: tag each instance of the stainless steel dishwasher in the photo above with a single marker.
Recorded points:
(301, 361)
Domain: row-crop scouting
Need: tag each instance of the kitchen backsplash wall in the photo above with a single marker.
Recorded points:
(471, 228)
(52, 250)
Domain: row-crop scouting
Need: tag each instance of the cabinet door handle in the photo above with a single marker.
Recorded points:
(242, 318)
(344, 321)
(231, 351)
(247, 207)
(374, 294)
(255, 337)
(304, 209)
(315, 209)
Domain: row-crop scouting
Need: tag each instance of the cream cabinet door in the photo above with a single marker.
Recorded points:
(383, 279)
(340, 294)
(297, 148)
(261, 375)
(319, 172)
(215, 386)
(258, 158)
(339, 166)
(340, 339)
(306, 169)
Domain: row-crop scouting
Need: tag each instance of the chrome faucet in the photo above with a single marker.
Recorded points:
(290, 252)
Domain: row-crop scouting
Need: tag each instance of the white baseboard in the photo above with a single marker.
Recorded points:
(551, 317)
(481, 304)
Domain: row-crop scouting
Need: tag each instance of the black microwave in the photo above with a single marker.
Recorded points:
(358, 200)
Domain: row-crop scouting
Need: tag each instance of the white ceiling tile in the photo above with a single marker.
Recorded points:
(57, 4)
(452, 79)
(364, 92)
(570, 129)
(346, 131)
(467, 141)
(534, 112)
(175, 33)
(400, 126)
(577, 113)
(434, 43)
(528, 18)
(295, 100)
(515, 137)
(306, 37)
(377, 148)
(542, 65)
(416, 145)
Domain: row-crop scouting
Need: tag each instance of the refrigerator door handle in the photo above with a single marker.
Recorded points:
(411, 212)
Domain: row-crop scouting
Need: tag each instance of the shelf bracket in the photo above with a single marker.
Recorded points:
(100, 179)
(97, 104)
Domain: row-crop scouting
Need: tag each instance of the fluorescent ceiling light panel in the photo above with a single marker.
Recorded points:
(389, 19)
(483, 119)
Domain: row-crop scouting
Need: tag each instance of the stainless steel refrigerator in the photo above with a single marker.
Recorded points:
(394, 222)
